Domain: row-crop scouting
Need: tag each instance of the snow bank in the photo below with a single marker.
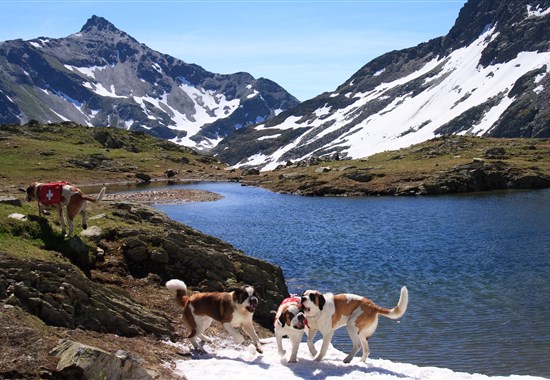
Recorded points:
(230, 361)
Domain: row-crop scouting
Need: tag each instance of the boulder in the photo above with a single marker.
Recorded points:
(359, 175)
(18, 216)
(143, 176)
(170, 173)
(9, 200)
(80, 361)
(322, 169)
(61, 295)
(250, 171)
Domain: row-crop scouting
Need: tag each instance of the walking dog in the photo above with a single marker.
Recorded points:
(232, 309)
(290, 321)
(59, 195)
(328, 312)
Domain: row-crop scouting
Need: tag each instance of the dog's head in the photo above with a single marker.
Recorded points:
(30, 191)
(312, 302)
(247, 297)
(292, 315)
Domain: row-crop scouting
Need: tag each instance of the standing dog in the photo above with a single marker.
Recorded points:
(232, 309)
(57, 195)
(290, 321)
(329, 312)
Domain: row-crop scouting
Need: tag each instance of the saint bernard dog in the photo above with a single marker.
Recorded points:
(328, 312)
(59, 195)
(290, 321)
(232, 309)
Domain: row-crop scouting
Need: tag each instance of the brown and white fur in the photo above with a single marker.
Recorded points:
(232, 309)
(328, 312)
(72, 198)
(290, 321)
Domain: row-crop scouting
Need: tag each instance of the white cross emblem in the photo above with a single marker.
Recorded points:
(49, 195)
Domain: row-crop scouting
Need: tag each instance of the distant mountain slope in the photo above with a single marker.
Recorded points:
(101, 76)
(487, 77)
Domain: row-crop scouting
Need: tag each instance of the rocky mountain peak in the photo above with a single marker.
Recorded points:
(103, 76)
(98, 24)
(518, 23)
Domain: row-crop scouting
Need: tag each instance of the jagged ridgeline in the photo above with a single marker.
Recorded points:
(101, 76)
(487, 77)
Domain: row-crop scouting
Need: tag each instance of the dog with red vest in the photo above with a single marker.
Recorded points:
(59, 195)
(290, 321)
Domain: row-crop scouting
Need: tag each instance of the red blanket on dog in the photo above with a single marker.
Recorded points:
(50, 193)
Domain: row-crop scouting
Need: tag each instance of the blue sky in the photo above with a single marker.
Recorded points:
(306, 46)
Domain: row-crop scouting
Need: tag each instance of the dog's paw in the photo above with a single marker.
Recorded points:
(239, 339)
(259, 349)
(282, 352)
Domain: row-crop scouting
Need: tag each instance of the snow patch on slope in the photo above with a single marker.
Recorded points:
(453, 85)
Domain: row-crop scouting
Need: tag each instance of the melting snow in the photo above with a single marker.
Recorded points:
(230, 361)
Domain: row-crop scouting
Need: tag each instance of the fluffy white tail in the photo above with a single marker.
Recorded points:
(101, 194)
(398, 311)
(177, 285)
(99, 197)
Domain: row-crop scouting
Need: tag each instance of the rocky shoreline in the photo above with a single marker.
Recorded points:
(101, 291)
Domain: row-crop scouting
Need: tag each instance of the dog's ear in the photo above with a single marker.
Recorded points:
(322, 301)
(239, 295)
(282, 319)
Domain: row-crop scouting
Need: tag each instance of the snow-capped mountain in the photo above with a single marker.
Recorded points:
(101, 76)
(487, 77)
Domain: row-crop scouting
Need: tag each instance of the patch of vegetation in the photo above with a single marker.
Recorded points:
(393, 172)
(28, 239)
(92, 155)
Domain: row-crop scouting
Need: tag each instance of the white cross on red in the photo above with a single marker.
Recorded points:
(49, 195)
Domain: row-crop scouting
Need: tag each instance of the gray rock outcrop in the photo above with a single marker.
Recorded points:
(80, 361)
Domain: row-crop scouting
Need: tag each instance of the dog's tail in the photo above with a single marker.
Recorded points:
(180, 288)
(398, 311)
(99, 197)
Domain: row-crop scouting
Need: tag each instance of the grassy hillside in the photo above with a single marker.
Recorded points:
(82, 155)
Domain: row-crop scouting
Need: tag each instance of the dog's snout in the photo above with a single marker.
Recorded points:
(253, 301)
(301, 317)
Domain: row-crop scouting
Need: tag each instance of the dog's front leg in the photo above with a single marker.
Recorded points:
(324, 348)
(279, 338)
(310, 336)
(249, 329)
(204, 338)
(62, 221)
(234, 333)
(295, 339)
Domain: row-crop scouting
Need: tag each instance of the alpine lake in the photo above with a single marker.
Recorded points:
(477, 266)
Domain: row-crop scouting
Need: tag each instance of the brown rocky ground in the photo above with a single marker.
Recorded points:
(27, 342)
(119, 284)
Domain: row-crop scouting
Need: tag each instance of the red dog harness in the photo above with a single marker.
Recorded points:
(51, 193)
(289, 300)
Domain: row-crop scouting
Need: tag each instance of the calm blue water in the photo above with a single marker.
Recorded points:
(477, 267)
